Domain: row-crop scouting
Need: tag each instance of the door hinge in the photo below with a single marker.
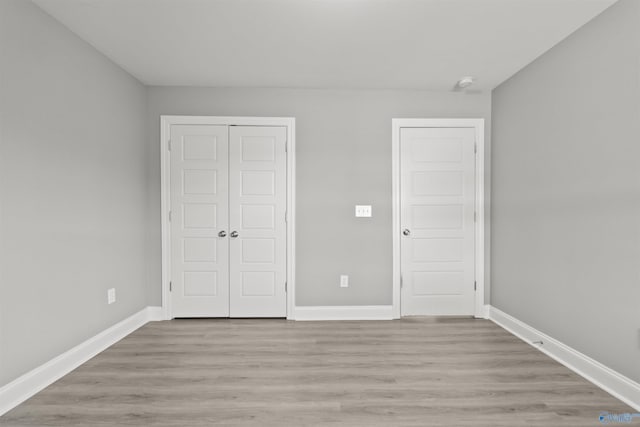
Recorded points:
(285, 287)
(475, 217)
(169, 145)
(170, 286)
(475, 286)
(401, 282)
(286, 216)
(475, 147)
(286, 146)
(169, 216)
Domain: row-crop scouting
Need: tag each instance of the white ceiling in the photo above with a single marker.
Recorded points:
(382, 44)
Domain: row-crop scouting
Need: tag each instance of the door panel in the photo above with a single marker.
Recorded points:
(437, 186)
(257, 205)
(199, 210)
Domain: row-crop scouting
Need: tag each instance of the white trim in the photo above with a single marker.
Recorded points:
(478, 124)
(25, 386)
(165, 132)
(395, 216)
(606, 378)
(486, 311)
(357, 312)
(291, 217)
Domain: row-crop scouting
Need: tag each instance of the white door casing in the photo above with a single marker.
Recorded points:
(199, 199)
(438, 186)
(257, 206)
(260, 192)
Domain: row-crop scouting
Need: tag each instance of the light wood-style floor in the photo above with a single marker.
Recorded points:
(410, 372)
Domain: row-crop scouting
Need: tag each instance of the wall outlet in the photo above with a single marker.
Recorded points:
(363, 211)
(111, 296)
(344, 281)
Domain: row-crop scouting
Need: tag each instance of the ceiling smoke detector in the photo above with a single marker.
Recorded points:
(465, 82)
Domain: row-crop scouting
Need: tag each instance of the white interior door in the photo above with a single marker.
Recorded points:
(437, 190)
(257, 202)
(199, 220)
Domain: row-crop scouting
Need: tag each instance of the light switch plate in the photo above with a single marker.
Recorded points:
(111, 296)
(363, 211)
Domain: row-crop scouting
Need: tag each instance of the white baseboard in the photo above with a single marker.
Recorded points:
(22, 388)
(486, 310)
(607, 379)
(360, 312)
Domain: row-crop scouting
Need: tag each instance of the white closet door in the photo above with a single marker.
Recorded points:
(257, 205)
(199, 220)
(437, 214)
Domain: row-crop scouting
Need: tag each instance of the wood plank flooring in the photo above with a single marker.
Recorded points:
(409, 372)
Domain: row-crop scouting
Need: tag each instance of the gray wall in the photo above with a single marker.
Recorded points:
(566, 191)
(72, 186)
(343, 158)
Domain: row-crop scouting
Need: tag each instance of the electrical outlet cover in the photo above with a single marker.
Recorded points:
(344, 281)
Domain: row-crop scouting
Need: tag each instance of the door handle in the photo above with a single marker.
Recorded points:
(234, 234)
(406, 232)
(222, 234)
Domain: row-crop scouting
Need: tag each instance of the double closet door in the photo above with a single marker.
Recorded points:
(228, 221)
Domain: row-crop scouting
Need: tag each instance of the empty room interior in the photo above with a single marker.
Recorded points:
(319, 212)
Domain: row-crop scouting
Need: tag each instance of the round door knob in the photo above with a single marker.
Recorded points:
(406, 231)
(222, 234)
(234, 234)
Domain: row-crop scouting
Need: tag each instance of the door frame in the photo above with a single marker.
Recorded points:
(478, 125)
(166, 121)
